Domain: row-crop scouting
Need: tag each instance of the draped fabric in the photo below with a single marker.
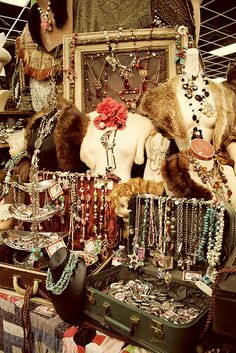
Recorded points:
(97, 15)
(175, 12)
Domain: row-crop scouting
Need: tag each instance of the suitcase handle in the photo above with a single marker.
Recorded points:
(20, 290)
(119, 327)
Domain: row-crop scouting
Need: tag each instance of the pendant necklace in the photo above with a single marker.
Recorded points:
(46, 23)
(97, 80)
(109, 147)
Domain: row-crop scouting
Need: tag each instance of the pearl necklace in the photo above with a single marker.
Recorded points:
(46, 23)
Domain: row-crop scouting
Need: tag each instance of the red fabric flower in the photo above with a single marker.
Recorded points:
(111, 114)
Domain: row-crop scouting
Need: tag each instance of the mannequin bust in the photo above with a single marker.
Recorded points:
(207, 124)
(67, 302)
(123, 148)
(188, 107)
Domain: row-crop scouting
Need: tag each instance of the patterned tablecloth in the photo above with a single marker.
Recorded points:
(49, 334)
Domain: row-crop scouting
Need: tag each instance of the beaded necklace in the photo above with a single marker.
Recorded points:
(214, 177)
(9, 166)
(152, 231)
(204, 235)
(59, 287)
(46, 126)
(215, 244)
(46, 23)
(196, 97)
(180, 233)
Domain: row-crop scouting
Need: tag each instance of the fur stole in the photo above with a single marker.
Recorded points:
(175, 172)
(68, 135)
(161, 106)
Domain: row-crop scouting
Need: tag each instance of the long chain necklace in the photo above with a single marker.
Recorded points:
(45, 128)
(46, 23)
(109, 147)
(96, 79)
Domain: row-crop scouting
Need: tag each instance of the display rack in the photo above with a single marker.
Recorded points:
(33, 240)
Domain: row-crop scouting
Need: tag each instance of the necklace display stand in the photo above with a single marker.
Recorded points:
(33, 241)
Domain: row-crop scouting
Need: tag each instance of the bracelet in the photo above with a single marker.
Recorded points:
(202, 149)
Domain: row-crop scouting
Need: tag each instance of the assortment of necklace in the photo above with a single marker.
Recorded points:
(197, 100)
(214, 178)
(46, 23)
(137, 72)
(86, 210)
(184, 233)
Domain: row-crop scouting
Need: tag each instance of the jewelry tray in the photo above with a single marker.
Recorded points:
(25, 213)
(23, 240)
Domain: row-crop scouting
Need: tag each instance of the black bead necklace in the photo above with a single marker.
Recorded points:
(192, 93)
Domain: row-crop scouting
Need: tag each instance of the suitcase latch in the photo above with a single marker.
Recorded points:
(134, 320)
(107, 307)
(91, 296)
(156, 329)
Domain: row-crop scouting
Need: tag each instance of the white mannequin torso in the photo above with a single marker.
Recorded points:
(128, 149)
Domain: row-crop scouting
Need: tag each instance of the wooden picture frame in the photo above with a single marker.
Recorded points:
(86, 57)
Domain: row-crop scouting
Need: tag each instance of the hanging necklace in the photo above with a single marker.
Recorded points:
(214, 177)
(96, 79)
(109, 147)
(197, 100)
(45, 128)
(46, 23)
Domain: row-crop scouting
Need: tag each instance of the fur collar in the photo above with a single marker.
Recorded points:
(68, 135)
(161, 106)
(175, 172)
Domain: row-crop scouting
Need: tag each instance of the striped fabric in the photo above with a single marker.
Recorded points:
(49, 334)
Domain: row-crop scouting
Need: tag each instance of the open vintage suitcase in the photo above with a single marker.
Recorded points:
(142, 328)
(145, 329)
